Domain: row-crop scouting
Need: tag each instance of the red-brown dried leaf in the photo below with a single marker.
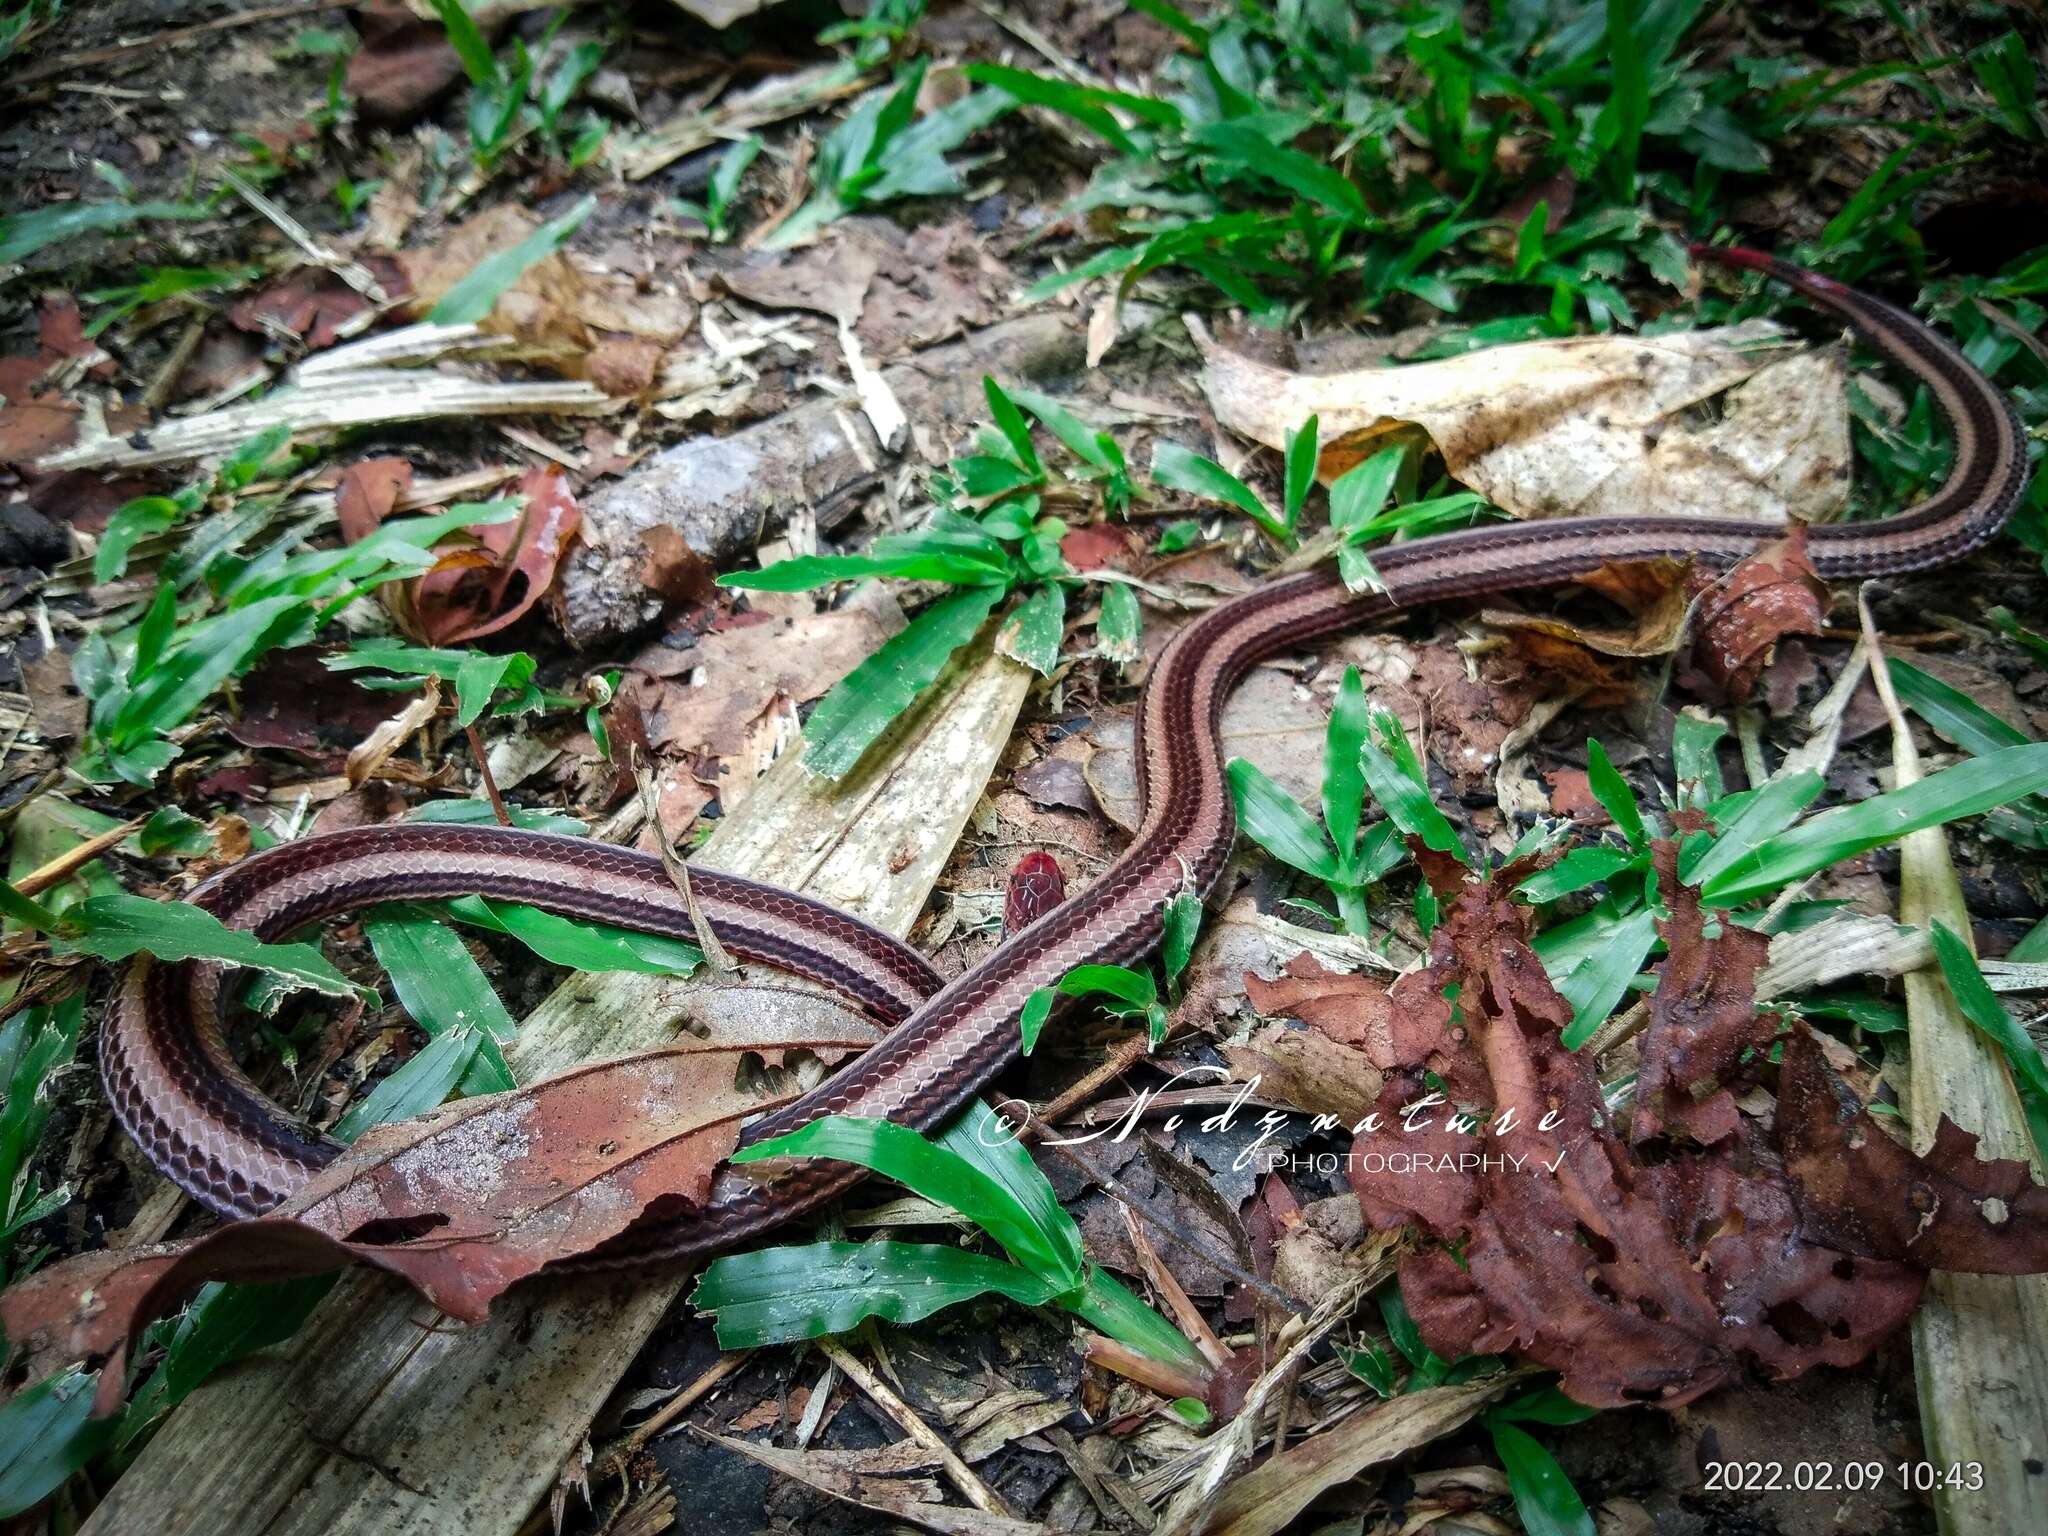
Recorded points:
(1861, 1191)
(476, 597)
(1353, 1010)
(1637, 1283)
(1703, 1017)
(460, 1203)
(368, 492)
(403, 63)
(312, 304)
(1773, 593)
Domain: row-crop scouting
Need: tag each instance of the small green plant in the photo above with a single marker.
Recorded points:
(884, 151)
(508, 100)
(989, 537)
(36, 1045)
(18, 22)
(223, 601)
(1338, 852)
(884, 32)
(1122, 992)
(720, 192)
(159, 283)
(976, 1167)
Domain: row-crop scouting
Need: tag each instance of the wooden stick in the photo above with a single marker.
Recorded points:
(36, 881)
(962, 1476)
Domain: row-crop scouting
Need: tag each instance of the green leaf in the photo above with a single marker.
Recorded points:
(1302, 449)
(223, 1324)
(1182, 469)
(1596, 984)
(937, 1173)
(582, 946)
(469, 43)
(1545, 1405)
(1371, 1365)
(142, 518)
(1763, 815)
(1031, 634)
(1037, 1009)
(1133, 989)
(1343, 777)
(46, 1434)
(1544, 1497)
(1694, 763)
(780, 1295)
(1954, 714)
(424, 1083)
(986, 1140)
(23, 234)
(1361, 491)
(864, 703)
(1094, 448)
(472, 299)
(1286, 167)
(206, 656)
(447, 994)
(1015, 429)
(1614, 795)
(1181, 922)
(1117, 631)
(1966, 789)
(1398, 781)
(1105, 1305)
(1270, 817)
(26, 910)
(172, 831)
(1981, 1006)
(117, 927)
(1577, 870)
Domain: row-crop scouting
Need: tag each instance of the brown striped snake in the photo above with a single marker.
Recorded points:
(179, 1093)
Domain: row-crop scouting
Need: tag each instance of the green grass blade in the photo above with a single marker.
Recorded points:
(1966, 789)
(937, 1173)
(1596, 984)
(779, 1295)
(1269, 816)
(1614, 795)
(865, 702)
(1544, 1497)
(1981, 1006)
(581, 946)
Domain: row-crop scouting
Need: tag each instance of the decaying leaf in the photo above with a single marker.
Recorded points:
(1703, 1017)
(1772, 594)
(486, 578)
(1639, 1282)
(460, 1203)
(1864, 1192)
(1587, 425)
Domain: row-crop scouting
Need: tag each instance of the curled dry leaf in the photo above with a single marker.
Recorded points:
(1589, 659)
(1772, 594)
(484, 579)
(460, 1203)
(1598, 425)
